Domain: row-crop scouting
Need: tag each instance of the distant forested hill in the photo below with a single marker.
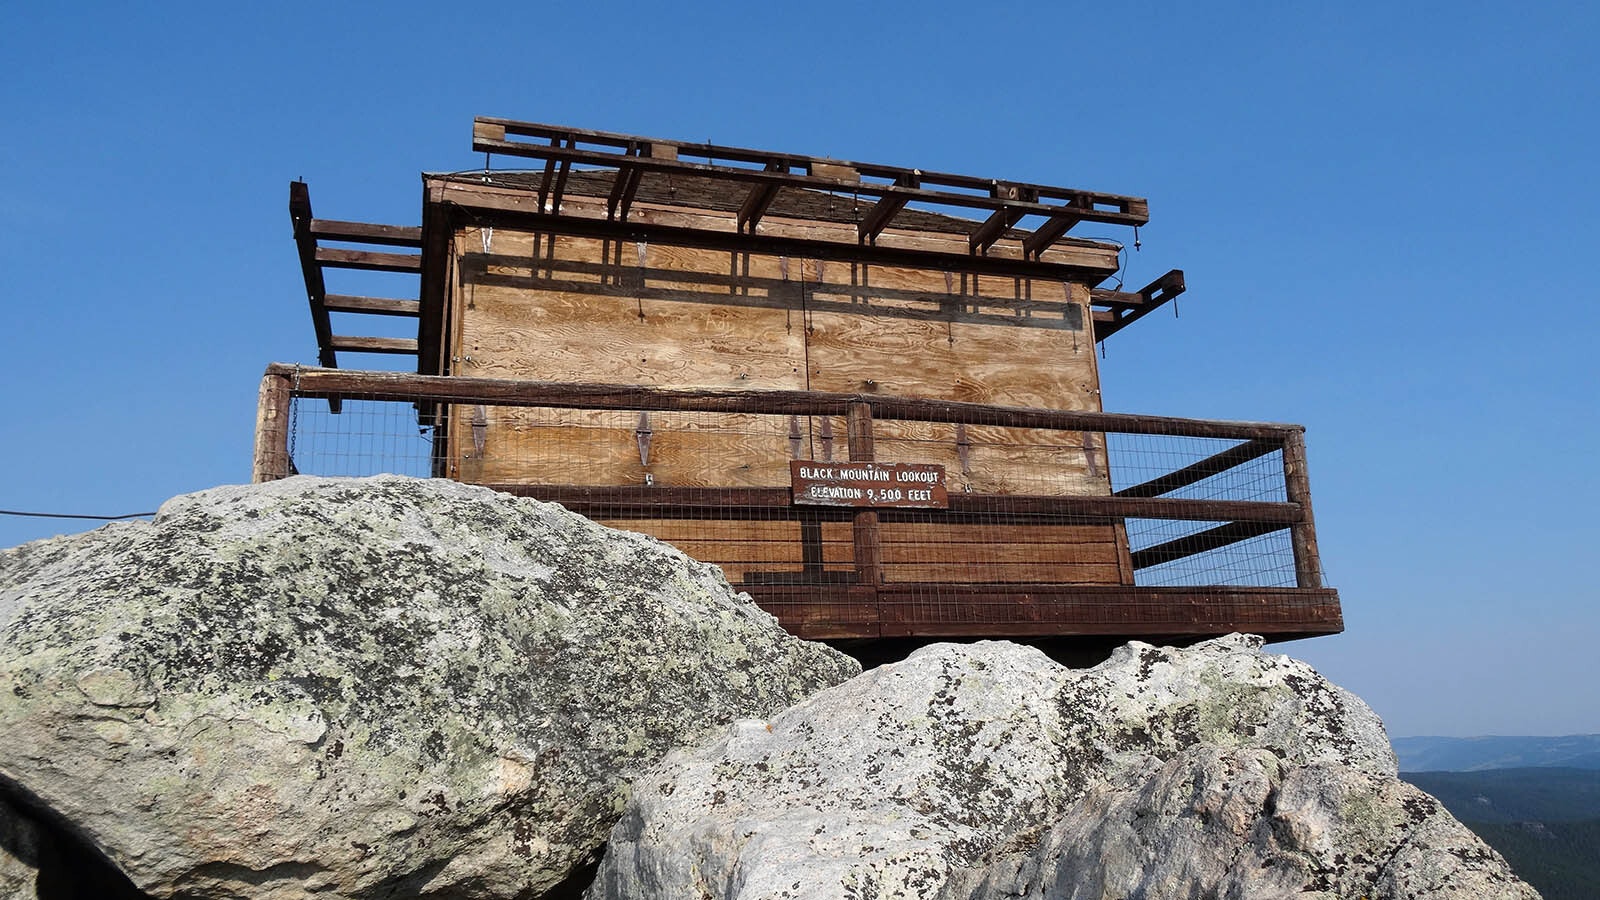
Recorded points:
(1447, 754)
(1544, 820)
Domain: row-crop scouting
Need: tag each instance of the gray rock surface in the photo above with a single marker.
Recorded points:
(39, 861)
(895, 782)
(366, 687)
(20, 843)
(1242, 824)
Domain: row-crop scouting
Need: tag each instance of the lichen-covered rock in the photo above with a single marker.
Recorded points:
(893, 782)
(1243, 824)
(375, 687)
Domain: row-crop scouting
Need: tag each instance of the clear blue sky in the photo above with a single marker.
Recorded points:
(1386, 213)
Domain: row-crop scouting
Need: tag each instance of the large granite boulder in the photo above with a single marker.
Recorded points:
(1243, 824)
(364, 688)
(912, 779)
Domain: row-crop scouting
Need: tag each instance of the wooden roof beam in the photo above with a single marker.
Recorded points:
(1126, 312)
(376, 306)
(366, 233)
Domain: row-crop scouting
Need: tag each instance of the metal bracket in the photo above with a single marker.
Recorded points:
(963, 448)
(796, 438)
(826, 433)
(480, 430)
(642, 435)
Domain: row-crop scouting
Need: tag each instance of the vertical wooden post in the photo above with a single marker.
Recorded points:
(868, 546)
(272, 430)
(1297, 487)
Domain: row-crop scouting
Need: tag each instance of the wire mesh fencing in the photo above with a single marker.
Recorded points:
(1026, 506)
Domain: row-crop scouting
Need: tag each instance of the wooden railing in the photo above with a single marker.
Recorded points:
(1239, 519)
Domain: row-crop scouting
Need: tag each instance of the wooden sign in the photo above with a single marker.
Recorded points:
(901, 485)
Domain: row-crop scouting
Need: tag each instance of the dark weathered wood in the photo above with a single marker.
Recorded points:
(377, 306)
(407, 387)
(1200, 542)
(1303, 537)
(515, 212)
(368, 260)
(272, 430)
(366, 233)
(373, 344)
(1200, 471)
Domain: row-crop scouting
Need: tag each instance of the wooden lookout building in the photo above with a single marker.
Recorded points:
(869, 393)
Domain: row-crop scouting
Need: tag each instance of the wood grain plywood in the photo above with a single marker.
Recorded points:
(601, 447)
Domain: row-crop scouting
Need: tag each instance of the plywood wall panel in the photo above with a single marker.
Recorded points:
(529, 306)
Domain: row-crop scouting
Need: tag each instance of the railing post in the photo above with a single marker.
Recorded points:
(868, 545)
(272, 429)
(1297, 487)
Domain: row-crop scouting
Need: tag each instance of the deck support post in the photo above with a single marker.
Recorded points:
(272, 429)
(868, 544)
(1303, 535)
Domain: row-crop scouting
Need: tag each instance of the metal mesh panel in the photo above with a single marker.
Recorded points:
(678, 475)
